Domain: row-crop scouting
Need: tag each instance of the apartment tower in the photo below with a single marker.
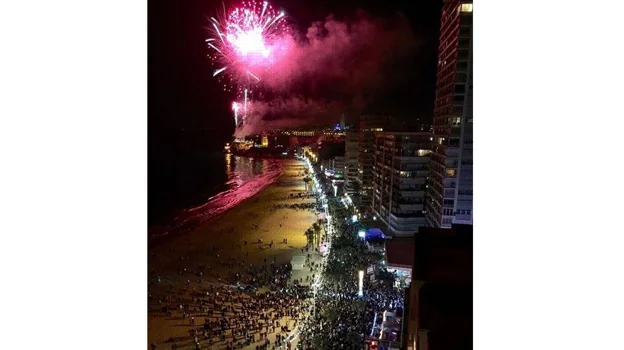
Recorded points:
(369, 124)
(449, 193)
(351, 161)
(400, 170)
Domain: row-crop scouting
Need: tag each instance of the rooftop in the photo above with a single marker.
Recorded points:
(443, 255)
(400, 252)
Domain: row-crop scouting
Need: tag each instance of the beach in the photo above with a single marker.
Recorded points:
(206, 260)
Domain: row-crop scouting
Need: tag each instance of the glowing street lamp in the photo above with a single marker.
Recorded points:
(354, 218)
(361, 234)
(360, 282)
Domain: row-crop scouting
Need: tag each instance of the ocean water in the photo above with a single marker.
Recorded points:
(193, 191)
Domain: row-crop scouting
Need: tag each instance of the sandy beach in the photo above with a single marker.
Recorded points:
(192, 262)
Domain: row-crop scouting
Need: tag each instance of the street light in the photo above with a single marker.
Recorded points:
(361, 234)
(360, 282)
(354, 218)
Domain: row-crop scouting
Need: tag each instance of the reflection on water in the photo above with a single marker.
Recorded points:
(245, 178)
(242, 169)
(228, 164)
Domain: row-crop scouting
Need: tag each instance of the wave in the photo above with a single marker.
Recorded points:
(242, 186)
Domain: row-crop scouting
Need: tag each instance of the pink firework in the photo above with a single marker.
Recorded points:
(248, 41)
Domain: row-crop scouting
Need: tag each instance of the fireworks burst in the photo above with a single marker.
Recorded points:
(247, 42)
(235, 108)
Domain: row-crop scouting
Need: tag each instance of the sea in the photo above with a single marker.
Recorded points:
(187, 192)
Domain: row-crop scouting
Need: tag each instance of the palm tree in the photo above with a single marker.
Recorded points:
(307, 181)
(317, 230)
(310, 236)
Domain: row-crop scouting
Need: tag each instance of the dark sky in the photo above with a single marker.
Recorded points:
(185, 103)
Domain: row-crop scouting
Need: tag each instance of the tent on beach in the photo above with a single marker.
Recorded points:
(297, 261)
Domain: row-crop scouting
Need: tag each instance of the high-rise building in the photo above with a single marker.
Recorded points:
(369, 124)
(450, 187)
(351, 161)
(400, 170)
(338, 165)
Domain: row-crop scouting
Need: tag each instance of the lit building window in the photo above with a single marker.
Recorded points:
(450, 172)
(465, 8)
(423, 152)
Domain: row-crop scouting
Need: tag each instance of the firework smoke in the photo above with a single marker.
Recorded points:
(283, 113)
(339, 66)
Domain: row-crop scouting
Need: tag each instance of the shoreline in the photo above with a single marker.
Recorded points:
(155, 239)
(214, 252)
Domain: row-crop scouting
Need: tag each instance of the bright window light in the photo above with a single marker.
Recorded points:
(423, 152)
(465, 8)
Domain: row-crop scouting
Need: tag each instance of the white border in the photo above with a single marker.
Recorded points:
(548, 250)
(548, 243)
(73, 145)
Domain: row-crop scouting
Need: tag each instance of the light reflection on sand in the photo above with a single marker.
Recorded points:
(246, 177)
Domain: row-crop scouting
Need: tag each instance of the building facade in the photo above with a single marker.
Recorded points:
(338, 165)
(450, 187)
(400, 171)
(369, 124)
(265, 140)
(438, 305)
(351, 161)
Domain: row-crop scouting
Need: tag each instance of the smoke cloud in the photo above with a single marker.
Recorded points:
(285, 113)
(337, 67)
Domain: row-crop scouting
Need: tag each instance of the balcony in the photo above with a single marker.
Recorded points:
(405, 222)
(409, 180)
(409, 188)
(410, 166)
(408, 208)
(415, 215)
(407, 200)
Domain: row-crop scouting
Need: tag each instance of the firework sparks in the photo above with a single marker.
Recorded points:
(247, 40)
(235, 107)
(245, 109)
(219, 71)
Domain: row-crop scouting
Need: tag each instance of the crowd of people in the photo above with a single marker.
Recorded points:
(255, 306)
(341, 318)
(232, 302)
(295, 206)
(240, 310)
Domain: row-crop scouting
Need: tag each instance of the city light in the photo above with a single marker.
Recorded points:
(361, 233)
(360, 282)
(354, 218)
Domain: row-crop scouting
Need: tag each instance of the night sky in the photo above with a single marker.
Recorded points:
(185, 101)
